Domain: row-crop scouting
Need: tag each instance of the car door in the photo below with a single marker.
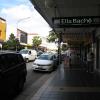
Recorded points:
(5, 82)
(9, 74)
(31, 56)
(2, 67)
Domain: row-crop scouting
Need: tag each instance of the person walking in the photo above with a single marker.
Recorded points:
(66, 59)
(90, 61)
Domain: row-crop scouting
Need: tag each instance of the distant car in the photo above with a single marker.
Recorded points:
(45, 62)
(28, 54)
(12, 73)
(39, 53)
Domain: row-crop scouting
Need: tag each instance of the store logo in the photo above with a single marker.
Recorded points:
(76, 21)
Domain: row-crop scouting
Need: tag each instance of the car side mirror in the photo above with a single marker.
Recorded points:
(29, 52)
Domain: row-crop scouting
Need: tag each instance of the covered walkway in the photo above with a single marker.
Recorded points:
(70, 84)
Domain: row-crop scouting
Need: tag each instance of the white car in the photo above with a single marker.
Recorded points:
(28, 54)
(45, 62)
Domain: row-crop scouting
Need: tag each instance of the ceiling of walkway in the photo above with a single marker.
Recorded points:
(68, 8)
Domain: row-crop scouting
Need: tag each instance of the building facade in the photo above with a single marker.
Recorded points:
(22, 36)
(2, 29)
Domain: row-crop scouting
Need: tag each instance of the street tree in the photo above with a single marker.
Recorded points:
(52, 36)
(13, 42)
(4, 45)
(36, 41)
(12, 37)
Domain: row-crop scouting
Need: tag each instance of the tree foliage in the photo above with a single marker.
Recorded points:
(52, 36)
(12, 43)
(12, 37)
(4, 46)
(36, 41)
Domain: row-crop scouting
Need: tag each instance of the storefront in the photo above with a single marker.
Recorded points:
(98, 50)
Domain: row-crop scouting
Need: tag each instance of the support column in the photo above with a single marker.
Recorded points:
(59, 47)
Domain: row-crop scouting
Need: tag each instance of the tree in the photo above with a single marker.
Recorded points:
(4, 46)
(13, 43)
(36, 41)
(52, 36)
(12, 37)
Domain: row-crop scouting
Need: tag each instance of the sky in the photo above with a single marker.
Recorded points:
(22, 14)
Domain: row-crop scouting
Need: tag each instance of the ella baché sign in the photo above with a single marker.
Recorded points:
(76, 21)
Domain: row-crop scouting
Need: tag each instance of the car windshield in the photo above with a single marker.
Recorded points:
(45, 57)
(24, 51)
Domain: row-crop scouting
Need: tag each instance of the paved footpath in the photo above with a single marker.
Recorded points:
(70, 84)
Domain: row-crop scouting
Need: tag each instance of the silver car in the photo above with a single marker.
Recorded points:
(45, 62)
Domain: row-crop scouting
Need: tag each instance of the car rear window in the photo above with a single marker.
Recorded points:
(10, 60)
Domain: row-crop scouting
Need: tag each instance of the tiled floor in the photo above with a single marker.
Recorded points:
(70, 84)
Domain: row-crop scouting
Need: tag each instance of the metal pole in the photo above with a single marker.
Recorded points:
(59, 47)
(22, 20)
(17, 26)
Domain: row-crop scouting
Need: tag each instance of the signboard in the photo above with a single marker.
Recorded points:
(80, 21)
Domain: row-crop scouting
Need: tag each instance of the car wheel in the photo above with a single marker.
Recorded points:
(20, 85)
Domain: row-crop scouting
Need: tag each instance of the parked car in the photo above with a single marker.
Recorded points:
(45, 62)
(28, 54)
(39, 53)
(12, 73)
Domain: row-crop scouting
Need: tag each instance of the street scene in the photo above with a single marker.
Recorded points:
(50, 50)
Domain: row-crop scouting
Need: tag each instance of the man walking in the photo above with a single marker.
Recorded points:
(90, 60)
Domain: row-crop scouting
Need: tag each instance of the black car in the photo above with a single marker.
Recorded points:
(12, 73)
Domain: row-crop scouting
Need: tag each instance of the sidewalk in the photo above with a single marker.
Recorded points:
(70, 84)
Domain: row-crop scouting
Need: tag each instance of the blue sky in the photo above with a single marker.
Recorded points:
(12, 3)
(21, 14)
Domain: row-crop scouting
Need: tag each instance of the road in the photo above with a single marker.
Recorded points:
(33, 83)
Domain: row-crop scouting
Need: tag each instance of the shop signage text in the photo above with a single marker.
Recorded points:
(76, 21)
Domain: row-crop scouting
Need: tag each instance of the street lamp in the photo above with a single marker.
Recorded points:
(20, 20)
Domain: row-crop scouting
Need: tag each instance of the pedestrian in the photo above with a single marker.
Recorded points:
(66, 59)
(90, 61)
